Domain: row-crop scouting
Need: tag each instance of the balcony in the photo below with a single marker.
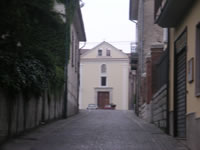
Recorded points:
(168, 13)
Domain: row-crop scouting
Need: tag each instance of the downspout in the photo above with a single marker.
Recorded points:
(168, 67)
(135, 103)
(67, 48)
(65, 102)
(78, 89)
(140, 54)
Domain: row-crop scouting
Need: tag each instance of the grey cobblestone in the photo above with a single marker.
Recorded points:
(96, 130)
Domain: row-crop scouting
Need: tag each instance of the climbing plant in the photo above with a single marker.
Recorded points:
(33, 44)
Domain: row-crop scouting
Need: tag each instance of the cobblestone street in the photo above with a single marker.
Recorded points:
(96, 130)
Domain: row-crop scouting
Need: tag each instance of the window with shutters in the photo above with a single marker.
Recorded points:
(197, 74)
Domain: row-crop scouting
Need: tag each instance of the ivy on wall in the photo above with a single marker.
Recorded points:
(33, 44)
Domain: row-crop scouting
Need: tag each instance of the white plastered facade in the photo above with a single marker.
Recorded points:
(117, 71)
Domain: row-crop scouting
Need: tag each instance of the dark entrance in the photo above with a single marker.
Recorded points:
(180, 87)
(103, 99)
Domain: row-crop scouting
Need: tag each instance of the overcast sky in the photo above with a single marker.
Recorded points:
(108, 20)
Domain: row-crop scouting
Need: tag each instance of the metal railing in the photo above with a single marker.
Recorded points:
(161, 72)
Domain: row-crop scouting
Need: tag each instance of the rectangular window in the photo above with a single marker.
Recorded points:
(107, 52)
(103, 81)
(99, 52)
(197, 75)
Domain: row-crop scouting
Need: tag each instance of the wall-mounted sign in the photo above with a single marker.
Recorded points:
(191, 70)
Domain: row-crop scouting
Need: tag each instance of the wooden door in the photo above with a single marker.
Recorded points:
(103, 99)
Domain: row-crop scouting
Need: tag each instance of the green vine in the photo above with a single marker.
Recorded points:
(34, 44)
(69, 11)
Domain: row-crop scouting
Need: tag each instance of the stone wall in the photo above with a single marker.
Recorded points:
(146, 112)
(159, 108)
(24, 113)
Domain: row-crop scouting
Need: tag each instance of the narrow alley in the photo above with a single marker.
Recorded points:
(96, 130)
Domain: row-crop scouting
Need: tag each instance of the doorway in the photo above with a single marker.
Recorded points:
(103, 99)
(180, 86)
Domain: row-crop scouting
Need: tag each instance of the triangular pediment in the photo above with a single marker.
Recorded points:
(104, 46)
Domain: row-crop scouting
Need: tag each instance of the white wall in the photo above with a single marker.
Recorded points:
(117, 77)
(73, 75)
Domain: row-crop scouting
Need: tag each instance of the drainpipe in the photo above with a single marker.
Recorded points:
(140, 69)
(78, 89)
(135, 78)
(65, 102)
(168, 67)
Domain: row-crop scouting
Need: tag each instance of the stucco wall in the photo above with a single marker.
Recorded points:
(114, 54)
(73, 75)
(117, 77)
(190, 21)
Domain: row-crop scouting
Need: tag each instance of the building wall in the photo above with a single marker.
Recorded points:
(153, 34)
(190, 21)
(114, 54)
(148, 34)
(117, 77)
(73, 74)
(132, 89)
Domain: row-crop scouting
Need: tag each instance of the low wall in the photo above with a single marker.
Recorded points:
(146, 112)
(159, 108)
(20, 114)
(193, 131)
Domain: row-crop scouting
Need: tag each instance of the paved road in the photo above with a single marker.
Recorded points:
(96, 130)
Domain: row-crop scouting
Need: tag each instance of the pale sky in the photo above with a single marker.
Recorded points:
(108, 20)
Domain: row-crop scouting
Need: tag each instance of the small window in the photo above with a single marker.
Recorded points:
(103, 81)
(99, 52)
(103, 68)
(107, 52)
(197, 81)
